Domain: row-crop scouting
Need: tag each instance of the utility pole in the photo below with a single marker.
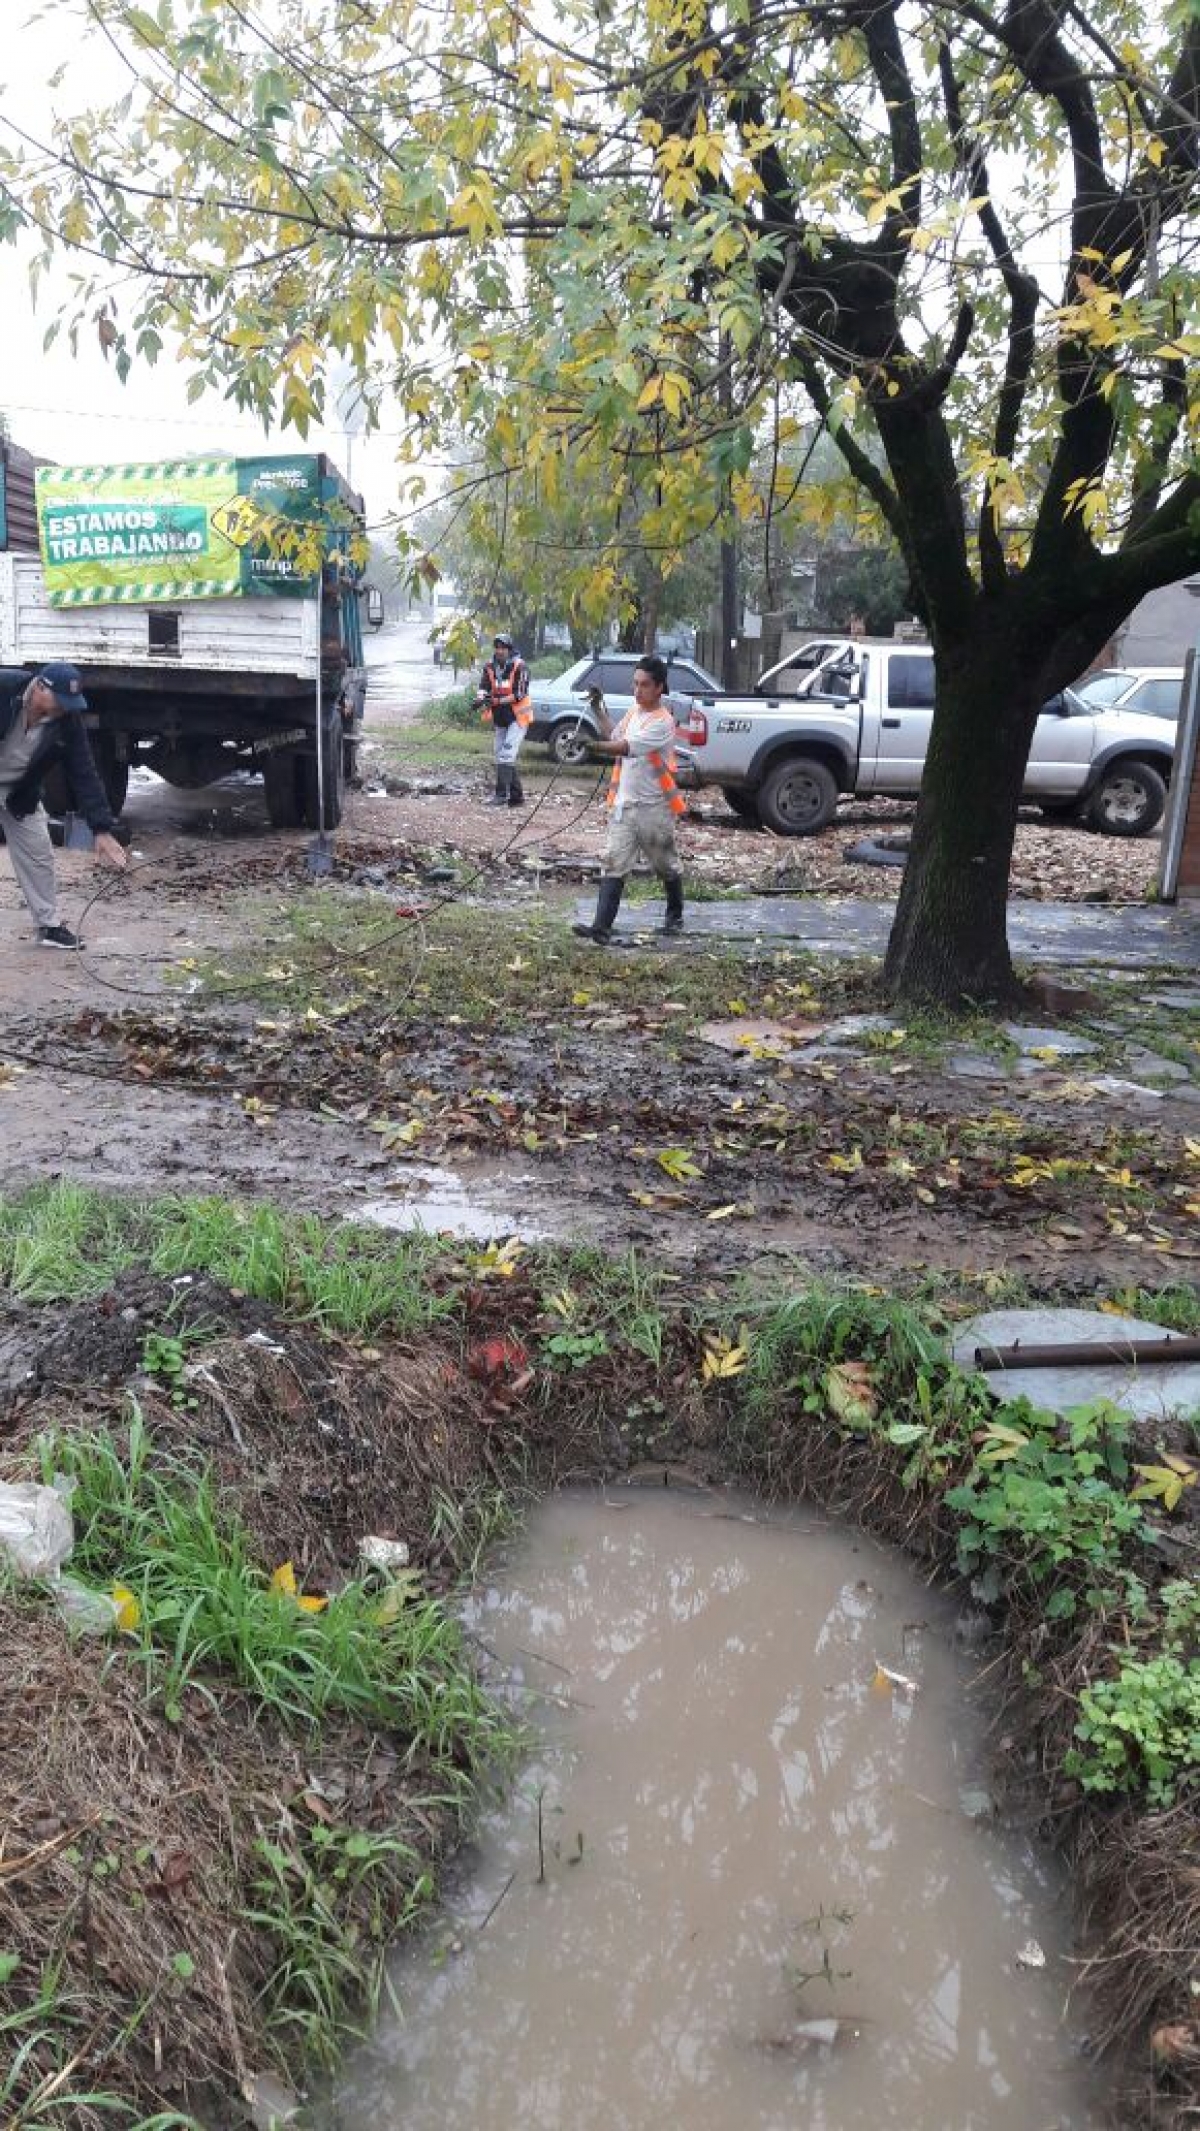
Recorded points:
(730, 612)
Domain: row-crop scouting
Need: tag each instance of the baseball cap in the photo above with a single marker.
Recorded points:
(65, 684)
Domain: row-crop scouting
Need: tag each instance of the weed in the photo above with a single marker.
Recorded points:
(469, 1527)
(61, 1240)
(207, 1610)
(40, 2046)
(1041, 1501)
(330, 1902)
(1141, 1729)
(575, 1350)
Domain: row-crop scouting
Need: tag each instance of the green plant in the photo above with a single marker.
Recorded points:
(42, 2043)
(1141, 1729)
(209, 1613)
(456, 707)
(331, 1902)
(1041, 1500)
(575, 1350)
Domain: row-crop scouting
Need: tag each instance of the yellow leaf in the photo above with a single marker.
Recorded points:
(283, 1580)
(129, 1611)
(678, 1163)
(651, 394)
(722, 1358)
(311, 1605)
(1158, 1483)
(845, 1164)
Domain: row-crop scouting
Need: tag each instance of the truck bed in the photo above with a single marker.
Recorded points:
(243, 636)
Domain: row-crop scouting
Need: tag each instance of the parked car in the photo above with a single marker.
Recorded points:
(1155, 690)
(562, 716)
(864, 727)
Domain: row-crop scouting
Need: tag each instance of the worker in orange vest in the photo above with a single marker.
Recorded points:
(505, 706)
(644, 800)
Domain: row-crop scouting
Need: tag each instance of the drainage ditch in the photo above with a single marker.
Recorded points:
(751, 1873)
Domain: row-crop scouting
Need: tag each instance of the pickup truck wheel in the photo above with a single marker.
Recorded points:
(568, 741)
(281, 783)
(798, 797)
(741, 802)
(1128, 801)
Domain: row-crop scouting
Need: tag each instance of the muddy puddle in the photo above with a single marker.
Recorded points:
(748, 1881)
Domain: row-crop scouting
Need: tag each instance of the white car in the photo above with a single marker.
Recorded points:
(1155, 690)
(562, 717)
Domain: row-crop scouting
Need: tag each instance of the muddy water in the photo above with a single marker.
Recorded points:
(763, 1899)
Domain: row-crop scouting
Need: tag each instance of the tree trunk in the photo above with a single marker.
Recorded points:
(949, 942)
(633, 628)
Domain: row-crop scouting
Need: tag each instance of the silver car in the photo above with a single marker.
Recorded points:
(562, 717)
(1155, 690)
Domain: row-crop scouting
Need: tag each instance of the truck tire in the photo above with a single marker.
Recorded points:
(1128, 800)
(741, 802)
(568, 742)
(281, 783)
(798, 796)
(335, 780)
(113, 774)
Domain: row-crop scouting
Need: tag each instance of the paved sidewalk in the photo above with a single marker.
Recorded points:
(1123, 936)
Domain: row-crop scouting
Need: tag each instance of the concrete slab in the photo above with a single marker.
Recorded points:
(1130, 937)
(1151, 1065)
(1059, 1040)
(1148, 1391)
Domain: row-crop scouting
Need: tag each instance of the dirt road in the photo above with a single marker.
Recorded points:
(119, 1073)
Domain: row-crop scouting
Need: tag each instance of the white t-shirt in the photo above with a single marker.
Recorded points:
(645, 733)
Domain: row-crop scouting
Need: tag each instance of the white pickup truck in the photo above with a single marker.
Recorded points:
(859, 722)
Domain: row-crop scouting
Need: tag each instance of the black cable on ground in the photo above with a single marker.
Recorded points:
(394, 927)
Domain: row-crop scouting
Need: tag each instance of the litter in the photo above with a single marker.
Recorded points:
(385, 1554)
(37, 1531)
(885, 1679)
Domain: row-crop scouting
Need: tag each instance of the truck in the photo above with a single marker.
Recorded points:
(859, 722)
(212, 608)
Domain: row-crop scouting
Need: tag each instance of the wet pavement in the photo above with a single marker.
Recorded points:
(1067, 935)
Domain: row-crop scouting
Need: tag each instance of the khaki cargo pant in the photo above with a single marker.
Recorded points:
(31, 854)
(642, 832)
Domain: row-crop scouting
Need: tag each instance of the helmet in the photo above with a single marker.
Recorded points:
(501, 638)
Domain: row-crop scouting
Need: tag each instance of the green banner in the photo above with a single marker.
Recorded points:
(181, 529)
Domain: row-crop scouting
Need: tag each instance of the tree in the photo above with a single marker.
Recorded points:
(967, 231)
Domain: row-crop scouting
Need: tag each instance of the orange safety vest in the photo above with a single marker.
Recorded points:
(502, 693)
(662, 764)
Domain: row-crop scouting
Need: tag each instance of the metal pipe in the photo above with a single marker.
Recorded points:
(1081, 1352)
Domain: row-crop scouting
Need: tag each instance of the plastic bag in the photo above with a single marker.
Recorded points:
(86, 1612)
(37, 1531)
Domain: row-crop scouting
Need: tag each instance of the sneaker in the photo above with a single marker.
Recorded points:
(58, 936)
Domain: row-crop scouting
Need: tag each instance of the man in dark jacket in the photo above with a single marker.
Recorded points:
(41, 723)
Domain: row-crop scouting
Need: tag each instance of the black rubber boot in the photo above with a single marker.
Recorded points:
(608, 902)
(500, 797)
(673, 922)
(516, 790)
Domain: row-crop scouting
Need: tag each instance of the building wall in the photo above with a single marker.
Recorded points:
(1163, 628)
